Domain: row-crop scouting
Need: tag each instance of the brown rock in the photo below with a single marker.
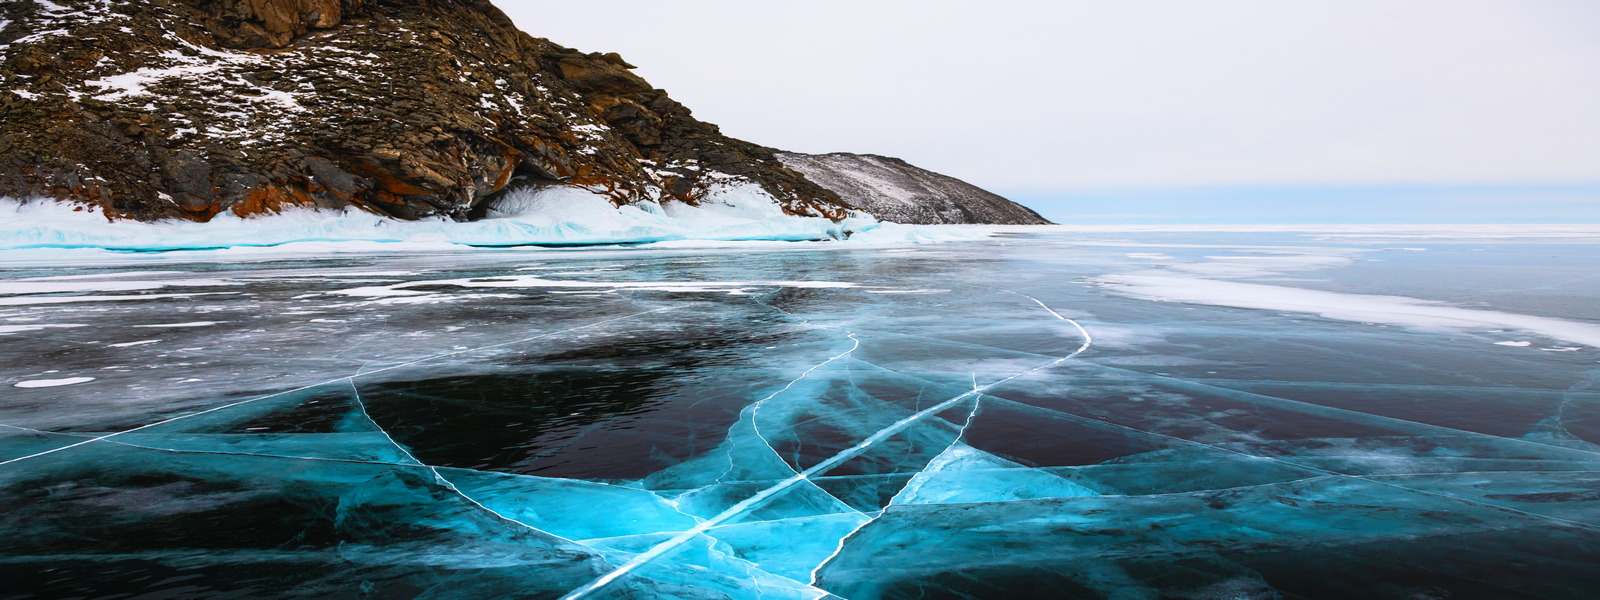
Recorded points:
(412, 109)
(268, 23)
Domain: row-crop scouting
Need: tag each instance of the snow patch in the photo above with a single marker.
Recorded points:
(127, 85)
(132, 344)
(36, 300)
(26, 328)
(1360, 308)
(180, 325)
(536, 282)
(100, 276)
(50, 383)
(16, 286)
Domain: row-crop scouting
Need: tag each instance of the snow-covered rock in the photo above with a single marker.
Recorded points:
(892, 190)
(205, 110)
(153, 109)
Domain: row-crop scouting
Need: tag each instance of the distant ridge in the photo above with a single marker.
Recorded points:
(893, 190)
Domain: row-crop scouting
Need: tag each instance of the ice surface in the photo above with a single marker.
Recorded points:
(1001, 418)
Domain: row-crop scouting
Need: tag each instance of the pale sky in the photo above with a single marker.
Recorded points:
(1032, 96)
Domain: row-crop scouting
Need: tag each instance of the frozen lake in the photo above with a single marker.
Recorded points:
(1405, 413)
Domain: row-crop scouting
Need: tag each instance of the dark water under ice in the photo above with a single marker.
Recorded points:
(1049, 415)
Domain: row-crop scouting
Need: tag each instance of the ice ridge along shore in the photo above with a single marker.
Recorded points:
(549, 217)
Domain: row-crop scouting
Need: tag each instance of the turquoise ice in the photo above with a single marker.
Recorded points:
(1021, 417)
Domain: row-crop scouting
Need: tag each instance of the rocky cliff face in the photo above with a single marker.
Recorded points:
(411, 108)
(892, 190)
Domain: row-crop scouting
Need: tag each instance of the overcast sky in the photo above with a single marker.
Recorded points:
(1030, 97)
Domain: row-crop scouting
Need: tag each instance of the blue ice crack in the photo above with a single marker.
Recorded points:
(977, 405)
(824, 466)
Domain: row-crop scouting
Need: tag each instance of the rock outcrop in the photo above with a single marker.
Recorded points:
(151, 109)
(893, 190)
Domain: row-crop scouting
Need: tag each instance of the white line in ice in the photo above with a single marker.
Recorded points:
(822, 467)
(976, 405)
(755, 408)
(439, 477)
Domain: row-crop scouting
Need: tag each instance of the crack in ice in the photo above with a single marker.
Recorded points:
(755, 407)
(1302, 406)
(977, 404)
(762, 496)
(1329, 472)
(1224, 391)
(1566, 400)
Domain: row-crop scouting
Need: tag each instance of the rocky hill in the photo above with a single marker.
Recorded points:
(411, 108)
(893, 190)
(152, 109)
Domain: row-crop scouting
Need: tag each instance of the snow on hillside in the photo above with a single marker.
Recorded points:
(893, 190)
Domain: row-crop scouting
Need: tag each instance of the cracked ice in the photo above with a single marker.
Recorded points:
(791, 423)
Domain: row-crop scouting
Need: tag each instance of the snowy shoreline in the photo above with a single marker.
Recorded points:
(552, 217)
(732, 216)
